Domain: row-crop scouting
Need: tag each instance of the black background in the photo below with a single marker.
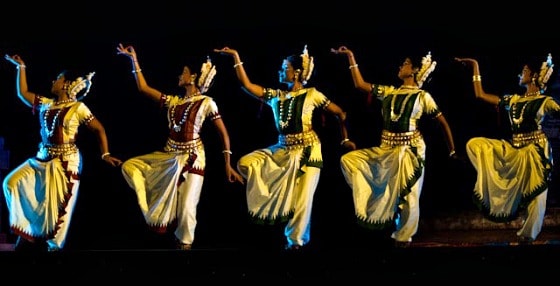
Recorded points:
(84, 36)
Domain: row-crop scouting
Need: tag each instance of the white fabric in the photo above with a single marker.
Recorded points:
(512, 181)
(36, 190)
(386, 181)
(165, 190)
(279, 186)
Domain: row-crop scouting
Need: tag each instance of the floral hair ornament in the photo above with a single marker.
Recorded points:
(545, 72)
(308, 66)
(428, 66)
(207, 73)
(79, 84)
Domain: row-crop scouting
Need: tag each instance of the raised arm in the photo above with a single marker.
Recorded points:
(359, 82)
(477, 82)
(251, 88)
(21, 80)
(141, 82)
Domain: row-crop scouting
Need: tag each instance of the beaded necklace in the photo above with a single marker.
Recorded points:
(285, 123)
(288, 116)
(50, 131)
(65, 101)
(396, 117)
(177, 125)
(524, 104)
(535, 93)
(514, 112)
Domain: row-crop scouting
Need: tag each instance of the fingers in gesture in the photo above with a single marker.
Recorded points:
(15, 59)
(226, 51)
(341, 50)
(126, 50)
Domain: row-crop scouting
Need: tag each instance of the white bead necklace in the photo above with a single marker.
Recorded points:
(396, 117)
(285, 123)
(177, 125)
(50, 131)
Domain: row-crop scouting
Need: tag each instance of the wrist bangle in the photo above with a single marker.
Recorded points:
(136, 70)
(105, 155)
(344, 141)
(451, 153)
(353, 66)
(476, 78)
(227, 151)
(237, 64)
(20, 67)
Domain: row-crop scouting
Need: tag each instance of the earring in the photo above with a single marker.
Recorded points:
(193, 78)
(296, 75)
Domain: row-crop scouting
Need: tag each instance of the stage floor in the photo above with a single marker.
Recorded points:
(447, 256)
(415, 264)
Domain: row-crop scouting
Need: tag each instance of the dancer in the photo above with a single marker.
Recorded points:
(387, 180)
(282, 178)
(513, 175)
(168, 183)
(41, 193)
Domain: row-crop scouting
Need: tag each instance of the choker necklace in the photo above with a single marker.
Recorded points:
(64, 101)
(408, 87)
(528, 94)
(192, 95)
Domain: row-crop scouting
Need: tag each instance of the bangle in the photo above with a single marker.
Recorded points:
(136, 70)
(105, 155)
(476, 78)
(227, 151)
(451, 153)
(20, 67)
(237, 64)
(344, 141)
(352, 66)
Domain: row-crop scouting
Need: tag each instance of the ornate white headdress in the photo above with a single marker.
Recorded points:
(428, 66)
(80, 83)
(545, 72)
(308, 66)
(207, 73)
